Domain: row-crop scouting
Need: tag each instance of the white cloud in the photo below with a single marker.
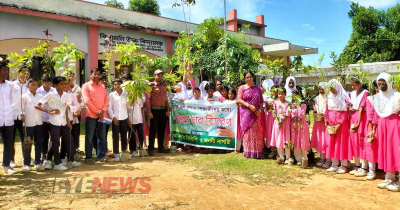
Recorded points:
(379, 4)
(308, 26)
(316, 40)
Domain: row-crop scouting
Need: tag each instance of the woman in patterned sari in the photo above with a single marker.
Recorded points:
(250, 100)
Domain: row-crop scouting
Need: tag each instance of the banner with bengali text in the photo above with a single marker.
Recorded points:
(204, 124)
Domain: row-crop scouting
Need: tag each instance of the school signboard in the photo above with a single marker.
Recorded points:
(204, 124)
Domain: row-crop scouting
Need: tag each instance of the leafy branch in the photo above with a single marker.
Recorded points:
(65, 56)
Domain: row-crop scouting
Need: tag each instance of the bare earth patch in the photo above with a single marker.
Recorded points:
(180, 181)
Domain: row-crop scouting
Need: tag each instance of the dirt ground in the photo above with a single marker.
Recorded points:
(181, 186)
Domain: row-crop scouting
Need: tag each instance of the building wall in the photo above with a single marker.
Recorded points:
(374, 69)
(93, 11)
(25, 27)
(119, 17)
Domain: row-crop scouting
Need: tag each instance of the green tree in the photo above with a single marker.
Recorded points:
(205, 50)
(114, 3)
(375, 37)
(146, 6)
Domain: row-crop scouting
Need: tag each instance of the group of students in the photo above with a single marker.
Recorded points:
(39, 114)
(355, 125)
(47, 119)
(347, 125)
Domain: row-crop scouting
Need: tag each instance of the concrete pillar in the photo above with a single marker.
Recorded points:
(93, 48)
(232, 21)
(168, 46)
(260, 20)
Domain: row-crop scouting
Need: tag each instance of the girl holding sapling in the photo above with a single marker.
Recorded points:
(281, 128)
(300, 132)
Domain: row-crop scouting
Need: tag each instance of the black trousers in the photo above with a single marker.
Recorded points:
(46, 137)
(54, 147)
(8, 141)
(35, 134)
(117, 132)
(18, 125)
(138, 129)
(76, 132)
(67, 150)
(157, 124)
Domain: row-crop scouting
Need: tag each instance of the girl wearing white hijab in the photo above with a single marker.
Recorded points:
(318, 140)
(290, 86)
(338, 145)
(202, 87)
(358, 121)
(387, 106)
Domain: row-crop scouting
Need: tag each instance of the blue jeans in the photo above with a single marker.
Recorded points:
(91, 126)
(35, 134)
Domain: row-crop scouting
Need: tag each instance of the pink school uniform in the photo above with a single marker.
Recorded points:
(269, 123)
(300, 132)
(318, 140)
(338, 145)
(281, 135)
(357, 138)
(370, 149)
(387, 106)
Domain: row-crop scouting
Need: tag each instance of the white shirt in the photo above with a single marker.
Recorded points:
(182, 95)
(73, 108)
(56, 102)
(6, 99)
(43, 93)
(16, 105)
(216, 98)
(33, 116)
(135, 112)
(117, 105)
(77, 90)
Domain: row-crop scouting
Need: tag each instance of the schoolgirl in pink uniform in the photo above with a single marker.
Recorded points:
(338, 145)
(358, 121)
(387, 106)
(281, 128)
(318, 140)
(269, 119)
(300, 132)
(371, 143)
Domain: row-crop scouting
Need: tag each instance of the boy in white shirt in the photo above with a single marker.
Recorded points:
(210, 88)
(47, 83)
(33, 125)
(118, 110)
(6, 118)
(76, 124)
(20, 88)
(197, 94)
(58, 103)
(66, 154)
(136, 125)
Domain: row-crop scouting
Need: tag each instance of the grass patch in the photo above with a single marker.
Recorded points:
(236, 168)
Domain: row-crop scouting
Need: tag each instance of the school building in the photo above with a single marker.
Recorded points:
(22, 24)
